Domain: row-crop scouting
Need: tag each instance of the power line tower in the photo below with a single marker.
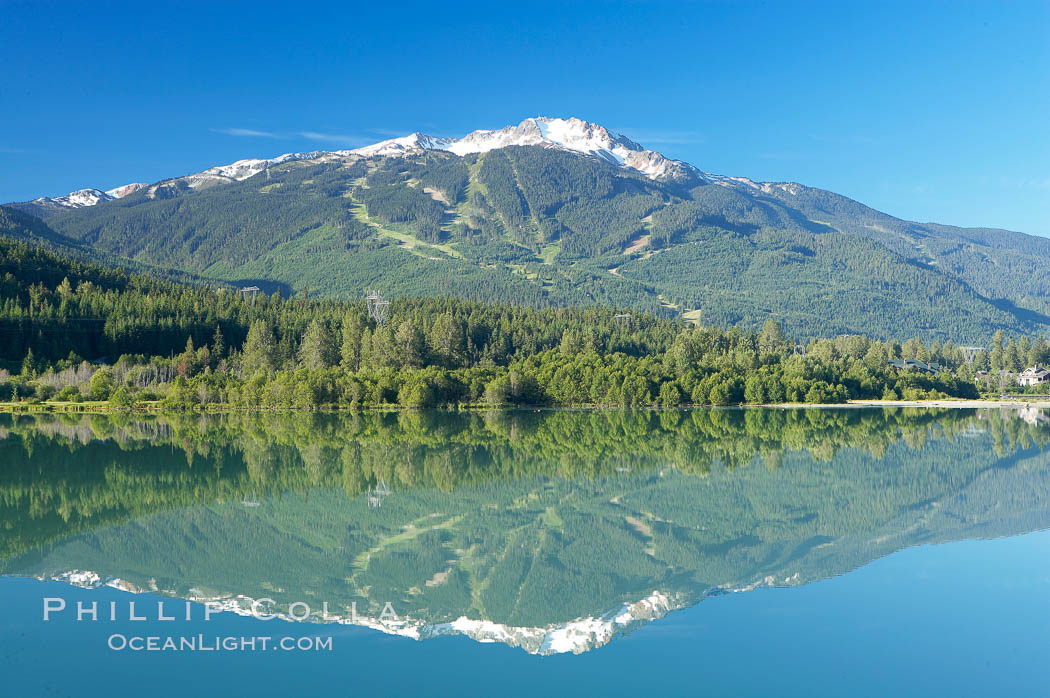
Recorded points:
(254, 290)
(622, 318)
(377, 307)
(375, 496)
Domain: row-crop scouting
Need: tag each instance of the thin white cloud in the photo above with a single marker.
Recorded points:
(343, 138)
(331, 137)
(250, 132)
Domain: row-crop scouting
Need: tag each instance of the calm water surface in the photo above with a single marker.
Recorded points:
(704, 552)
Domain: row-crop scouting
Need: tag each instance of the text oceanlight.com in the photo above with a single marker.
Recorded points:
(229, 643)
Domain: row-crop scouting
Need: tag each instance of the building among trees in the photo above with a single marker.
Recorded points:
(1033, 376)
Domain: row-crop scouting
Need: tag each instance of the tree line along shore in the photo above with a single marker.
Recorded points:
(84, 336)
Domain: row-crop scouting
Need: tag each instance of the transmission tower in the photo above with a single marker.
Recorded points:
(375, 496)
(254, 290)
(377, 307)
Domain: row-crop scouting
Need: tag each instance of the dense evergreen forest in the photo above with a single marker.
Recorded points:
(75, 331)
(545, 227)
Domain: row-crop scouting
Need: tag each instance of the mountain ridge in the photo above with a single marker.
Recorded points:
(572, 134)
(531, 131)
(564, 211)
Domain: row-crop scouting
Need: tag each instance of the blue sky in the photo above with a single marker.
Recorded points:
(926, 110)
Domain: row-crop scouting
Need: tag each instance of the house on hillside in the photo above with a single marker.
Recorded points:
(913, 365)
(1033, 376)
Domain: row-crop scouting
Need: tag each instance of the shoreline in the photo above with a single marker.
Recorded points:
(89, 407)
(1028, 402)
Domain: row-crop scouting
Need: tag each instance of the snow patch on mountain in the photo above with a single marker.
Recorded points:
(401, 146)
(243, 169)
(234, 172)
(122, 191)
(576, 636)
(88, 197)
(792, 188)
(569, 134)
(579, 136)
(76, 199)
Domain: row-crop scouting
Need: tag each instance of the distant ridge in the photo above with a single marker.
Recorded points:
(562, 211)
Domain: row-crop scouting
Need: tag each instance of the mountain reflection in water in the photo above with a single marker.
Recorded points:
(553, 531)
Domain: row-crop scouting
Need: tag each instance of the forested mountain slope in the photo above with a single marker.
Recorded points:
(553, 222)
(37, 235)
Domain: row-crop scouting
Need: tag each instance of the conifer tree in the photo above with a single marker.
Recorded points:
(318, 348)
(259, 349)
(218, 344)
(771, 338)
(354, 327)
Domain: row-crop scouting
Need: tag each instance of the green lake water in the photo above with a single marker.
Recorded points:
(680, 552)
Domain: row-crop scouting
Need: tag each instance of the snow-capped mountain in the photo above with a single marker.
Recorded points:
(76, 199)
(88, 197)
(571, 134)
(577, 135)
(403, 145)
